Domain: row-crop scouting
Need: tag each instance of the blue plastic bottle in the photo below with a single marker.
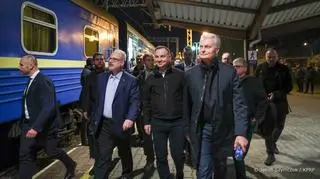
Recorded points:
(238, 153)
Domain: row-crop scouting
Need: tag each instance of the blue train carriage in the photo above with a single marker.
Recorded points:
(61, 34)
(137, 44)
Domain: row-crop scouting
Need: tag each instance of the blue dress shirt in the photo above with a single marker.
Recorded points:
(111, 89)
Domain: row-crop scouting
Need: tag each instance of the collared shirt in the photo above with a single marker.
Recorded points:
(187, 67)
(32, 77)
(111, 89)
(147, 72)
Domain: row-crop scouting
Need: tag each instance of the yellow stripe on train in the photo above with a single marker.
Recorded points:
(13, 62)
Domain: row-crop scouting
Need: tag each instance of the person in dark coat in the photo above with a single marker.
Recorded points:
(277, 83)
(256, 99)
(114, 114)
(84, 77)
(309, 79)
(163, 111)
(226, 58)
(145, 71)
(187, 61)
(137, 71)
(300, 76)
(90, 97)
(215, 109)
(40, 121)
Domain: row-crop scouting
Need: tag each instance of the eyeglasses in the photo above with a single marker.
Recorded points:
(114, 59)
(237, 66)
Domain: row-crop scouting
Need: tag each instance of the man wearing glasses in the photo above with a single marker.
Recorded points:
(114, 114)
(257, 104)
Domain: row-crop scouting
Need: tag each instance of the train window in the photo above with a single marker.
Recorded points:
(39, 30)
(91, 41)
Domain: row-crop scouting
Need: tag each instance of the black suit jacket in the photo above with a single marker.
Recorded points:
(41, 105)
(230, 111)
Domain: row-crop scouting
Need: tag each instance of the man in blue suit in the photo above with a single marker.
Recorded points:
(40, 121)
(114, 114)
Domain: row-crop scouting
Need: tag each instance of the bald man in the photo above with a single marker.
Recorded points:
(226, 58)
(277, 83)
(39, 121)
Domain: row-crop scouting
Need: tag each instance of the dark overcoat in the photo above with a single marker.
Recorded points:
(229, 118)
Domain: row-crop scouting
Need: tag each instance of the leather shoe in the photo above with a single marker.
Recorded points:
(148, 166)
(91, 172)
(71, 171)
(270, 159)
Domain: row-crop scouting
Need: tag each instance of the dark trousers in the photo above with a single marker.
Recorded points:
(147, 140)
(106, 142)
(148, 147)
(162, 130)
(300, 83)
(207, 162)
(30, 146)
(91, 139)
(84, 132)
(140, 127)
(240, 164)
(279, 123)
(309, 82)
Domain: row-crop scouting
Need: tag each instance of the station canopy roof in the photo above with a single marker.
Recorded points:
(239, 19)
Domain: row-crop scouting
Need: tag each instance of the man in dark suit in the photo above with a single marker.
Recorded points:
(86, 71)
(226, 58)
(114, 114)
(40, 121)
(215, 110)
(146, 70)
(187, 61)
(277, 83)
(90, 96)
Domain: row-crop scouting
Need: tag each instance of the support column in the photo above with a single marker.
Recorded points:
(189, 37)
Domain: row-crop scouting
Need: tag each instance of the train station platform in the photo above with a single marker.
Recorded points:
(299, 151)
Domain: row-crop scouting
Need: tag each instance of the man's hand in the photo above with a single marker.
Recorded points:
(31, 133)
(127, 124)
(85, 116)
(147, 129)
(242, 141)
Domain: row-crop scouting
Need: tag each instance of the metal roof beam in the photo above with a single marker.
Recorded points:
(151, 10)
(290, 5)
(292, 27)
(231, 33)
(259, 18)
(211, 5)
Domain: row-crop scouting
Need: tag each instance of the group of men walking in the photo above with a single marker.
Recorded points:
(207, 110)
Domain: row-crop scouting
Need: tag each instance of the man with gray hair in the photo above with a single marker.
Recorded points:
(115, 112)
(257, 104)
(215, 110)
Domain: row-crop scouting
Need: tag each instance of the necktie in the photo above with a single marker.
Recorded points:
(27, 87)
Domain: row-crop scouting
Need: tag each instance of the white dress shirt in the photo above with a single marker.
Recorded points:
(26, 112)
